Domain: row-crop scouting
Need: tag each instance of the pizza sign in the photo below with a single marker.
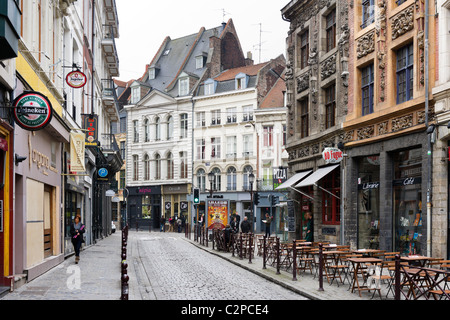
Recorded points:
(76, 79)
(32, 111)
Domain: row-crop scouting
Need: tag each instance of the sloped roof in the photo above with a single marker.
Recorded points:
(230, 74)
(275, 97)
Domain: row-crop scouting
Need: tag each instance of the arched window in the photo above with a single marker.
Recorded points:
(169, 133)
(135, 167)
(201, 179)
(247, 171)
(157, 130)
(146, 167)
(217, 180)
(231, 178)
(157, 167)
(146, 131)
(170, 168)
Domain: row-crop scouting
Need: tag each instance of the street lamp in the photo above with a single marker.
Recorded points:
(211, 180)
(251, 179)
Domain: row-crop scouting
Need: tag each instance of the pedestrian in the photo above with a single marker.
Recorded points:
(245, 225)
(309, 227)
(234, 226)
(163, 222)
(77, 230)
(238, 218)
(227, 234)
(268, 221)
(179, 222)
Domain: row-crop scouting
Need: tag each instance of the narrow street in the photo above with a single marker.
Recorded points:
(166, 267)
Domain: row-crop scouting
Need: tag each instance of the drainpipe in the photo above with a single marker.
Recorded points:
(430, 149)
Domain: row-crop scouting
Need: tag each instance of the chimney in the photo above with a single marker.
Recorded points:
(249, 60)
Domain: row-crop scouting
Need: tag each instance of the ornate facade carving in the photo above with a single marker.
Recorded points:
(401, 123)
(328, 67)
(382, 128)
(365, 133)
(302, 82)
(365, 45)
(402, 22)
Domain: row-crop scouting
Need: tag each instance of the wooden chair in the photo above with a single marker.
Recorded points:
(338, 267)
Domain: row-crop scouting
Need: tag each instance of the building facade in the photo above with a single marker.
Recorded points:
(388, 202)
(317, 99)
(238, 131)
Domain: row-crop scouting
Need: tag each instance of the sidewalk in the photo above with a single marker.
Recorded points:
(95, 277)
(305, 285)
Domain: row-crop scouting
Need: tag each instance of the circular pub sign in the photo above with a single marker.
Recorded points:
(32, 111)
(76, 79)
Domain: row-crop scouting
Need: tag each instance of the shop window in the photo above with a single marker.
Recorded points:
(368, 202)
(331, 205)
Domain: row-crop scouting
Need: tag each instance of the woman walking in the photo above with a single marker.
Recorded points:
(76, 230)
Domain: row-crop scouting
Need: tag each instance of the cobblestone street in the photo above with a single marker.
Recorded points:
(168, 267)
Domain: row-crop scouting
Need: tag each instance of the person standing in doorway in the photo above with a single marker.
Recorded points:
(309, 227)
(268, 221)
(77, 230)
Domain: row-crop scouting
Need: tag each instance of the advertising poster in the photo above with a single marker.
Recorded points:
(217, 214)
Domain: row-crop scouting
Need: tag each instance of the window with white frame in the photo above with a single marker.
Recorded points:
(215, 117)
(247, 113)
(135, 95)
(267, 173)
(135, 167)
(170, 166)
(199, 61)
(157, 167)
(215, 148)
(183, 86)
(146, 131)
(146, 167)
(157, 129)
(247, 149)
(200, 117)
(200, 149)
(151, 73)
(231, 178)
(169, 133)
(231, 147)
(267, 136)
(135, 130)
(183, 125)
(217, 180)
(246, 174)
(209, 87)
(201, 179)
(231, 115)
(183, 165)
(241, 81)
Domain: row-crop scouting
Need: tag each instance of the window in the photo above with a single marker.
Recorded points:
(146, 167)
(135, 167)
(157, 167)
(241, 81)
(183, 165)
(157, 130)
(267, 136)
(170, 167)
(330, 106)
(367, 89)
(331, 30)
(123, 125)
(304, 118)
(231, 115)
(399, 2)
(247, 171)
(217, 180)
(200, 116)
(122, 179)
(247, 145)
(367, 13)
(135, 131)
(151, 73)
(215, 148)
(122, 149)
(183, 125)
(215, 117)
(247, 112)
(201, 179)
(284, 134)
(135, 95)
(267, 173)
(405, 77)
(169, 132)
(210, 87)
(231, 178)
(146, 131)
(199, 60)
(231, 147)
(304, 49)
(183, 84)
(201, 149)
(330, 204)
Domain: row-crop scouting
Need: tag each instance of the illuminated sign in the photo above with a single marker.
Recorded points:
(32, 111)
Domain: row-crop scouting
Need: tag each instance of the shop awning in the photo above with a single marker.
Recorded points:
(293, 180)
(316, 176)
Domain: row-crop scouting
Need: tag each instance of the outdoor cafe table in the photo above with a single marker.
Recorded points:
(356, 262)
(420, 260)
(368, 252)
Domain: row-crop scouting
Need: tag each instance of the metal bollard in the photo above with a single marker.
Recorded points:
(250, 247)
(320, 267)
(294, 263)
(232, 244)
(397, 277)
(240, 246)
(278, 256)
(264, 252)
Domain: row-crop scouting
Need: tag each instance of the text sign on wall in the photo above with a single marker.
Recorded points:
(32, 111)
(332, 155)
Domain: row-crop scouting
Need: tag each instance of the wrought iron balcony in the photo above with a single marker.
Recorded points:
(109, 47)
(110, 100)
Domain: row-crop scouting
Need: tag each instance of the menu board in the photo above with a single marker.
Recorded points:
(291, 216)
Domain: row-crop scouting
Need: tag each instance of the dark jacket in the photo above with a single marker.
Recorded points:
(234, 226)
(73, 232)
(245, 226)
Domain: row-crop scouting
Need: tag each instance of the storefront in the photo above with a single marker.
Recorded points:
(385, 196)
(176, 204)
(144, 207)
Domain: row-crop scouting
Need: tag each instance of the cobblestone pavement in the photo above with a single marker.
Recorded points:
(167, 267)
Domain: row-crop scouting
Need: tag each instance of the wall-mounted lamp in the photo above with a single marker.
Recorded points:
(432, 126)
(18, 159)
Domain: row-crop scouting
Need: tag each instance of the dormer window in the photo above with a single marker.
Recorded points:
(199, 62)
(151, 73)
(135, 94)
(183, 86)
(210, 87)
(241, 81)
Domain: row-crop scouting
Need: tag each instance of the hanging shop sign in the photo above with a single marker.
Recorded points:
(77, 152)
(90, 124)
(332, 155)
(76, 79)
(32, 111)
